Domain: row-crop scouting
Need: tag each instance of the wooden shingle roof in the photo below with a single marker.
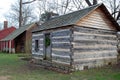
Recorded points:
(69, 19)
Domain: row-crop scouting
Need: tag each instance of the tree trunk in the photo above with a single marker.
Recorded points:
(114, 8)
(20, 13)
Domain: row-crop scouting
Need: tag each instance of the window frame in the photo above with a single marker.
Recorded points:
(36, 45)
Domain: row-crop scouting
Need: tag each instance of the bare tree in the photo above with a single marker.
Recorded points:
(78, 4)
(21, 16)
(114, 8)
(28, 2)
(57, 6)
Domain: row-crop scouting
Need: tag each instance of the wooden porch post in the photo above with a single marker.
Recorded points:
(10, 46)
(6, 46)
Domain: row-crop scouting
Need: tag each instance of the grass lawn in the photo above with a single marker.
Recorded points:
(12, 68)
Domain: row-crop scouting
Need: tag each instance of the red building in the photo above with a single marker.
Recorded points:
(20, 40)
(3, 34)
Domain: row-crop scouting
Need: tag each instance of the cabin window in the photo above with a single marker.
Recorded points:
(36, 45)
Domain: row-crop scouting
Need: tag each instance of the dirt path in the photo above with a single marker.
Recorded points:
(5, 77)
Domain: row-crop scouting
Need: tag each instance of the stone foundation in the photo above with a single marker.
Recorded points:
(53, 66)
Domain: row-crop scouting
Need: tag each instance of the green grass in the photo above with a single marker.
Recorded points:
(11, 65)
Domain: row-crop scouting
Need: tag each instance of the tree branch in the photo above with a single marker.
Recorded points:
(88, 2)
(28, 2)
(118, 16)
(115, 12)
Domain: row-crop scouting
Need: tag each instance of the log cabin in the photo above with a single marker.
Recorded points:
(76, 41)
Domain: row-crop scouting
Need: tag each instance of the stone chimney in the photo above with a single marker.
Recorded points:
(5, 24)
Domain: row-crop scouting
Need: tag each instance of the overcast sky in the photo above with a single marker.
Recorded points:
(4, 8)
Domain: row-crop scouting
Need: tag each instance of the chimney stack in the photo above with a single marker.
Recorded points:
(5, 24)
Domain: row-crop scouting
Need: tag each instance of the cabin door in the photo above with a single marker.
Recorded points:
(47, 44)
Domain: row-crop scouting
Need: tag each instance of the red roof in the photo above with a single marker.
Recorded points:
(5, 32)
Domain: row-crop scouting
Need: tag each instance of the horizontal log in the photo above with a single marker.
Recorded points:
(92, 49)
(37, 37)
(64, 53)
(94, 61)
(60, 42)
(94, 37)
(65, 32)
(93, 42)
(40, 39)
(41, 44)
(91, 59)
(91, 38)
(85, 56)
(94, 34)
(59, 62)
(96, 31)
(60, 49)
(62, 45)
(60, 39)
(61, 58)
(94, 46)
(96, 52)
(38, 34)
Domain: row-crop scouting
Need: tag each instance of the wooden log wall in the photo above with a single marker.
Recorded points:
(61, 46)
(39, 37)
(93, 47)
(118, 36)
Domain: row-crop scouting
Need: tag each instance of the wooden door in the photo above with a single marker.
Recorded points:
(47, 44)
